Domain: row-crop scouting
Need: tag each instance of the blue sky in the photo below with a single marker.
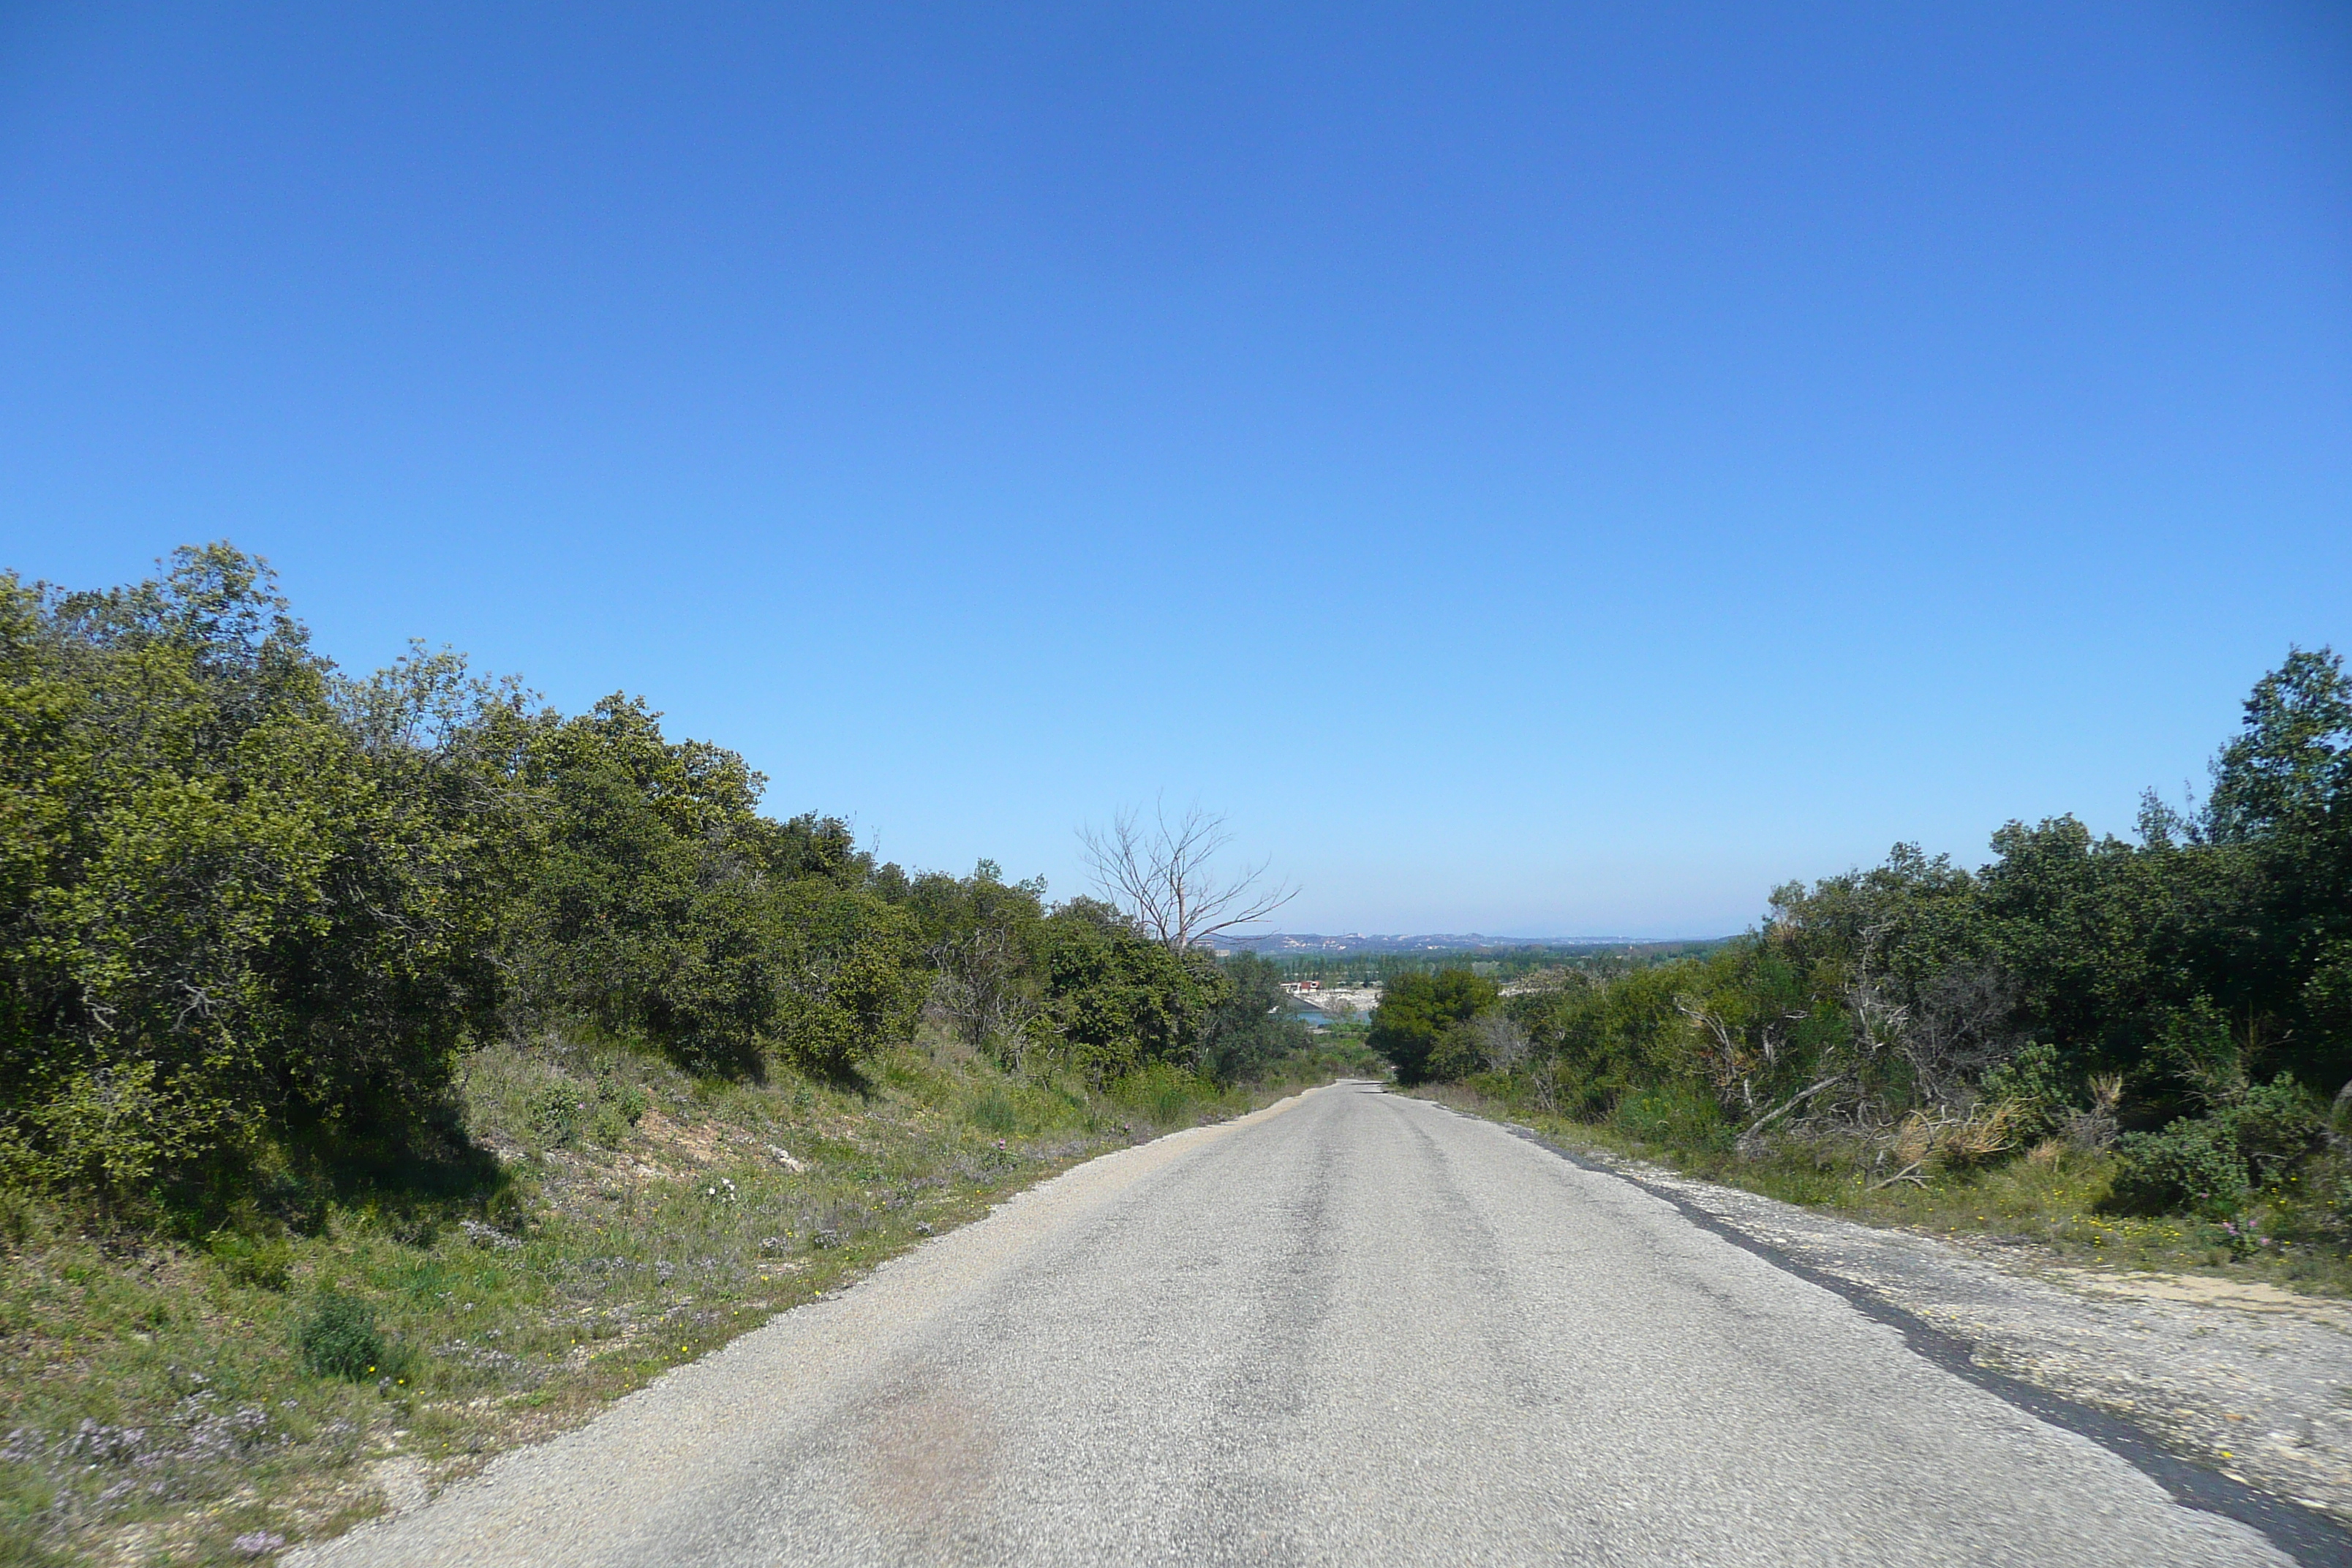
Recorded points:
(1553, 470)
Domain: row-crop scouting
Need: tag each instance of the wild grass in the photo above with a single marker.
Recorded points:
(214, 1397)
(2053, 1199)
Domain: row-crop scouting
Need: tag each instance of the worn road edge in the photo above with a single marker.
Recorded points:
(2310, 1538)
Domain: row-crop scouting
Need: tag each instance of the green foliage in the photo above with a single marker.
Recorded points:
(984, 940)
(1251, 1024)
(1116, 1000)
(1454, 1057)
(1497, 962)
(2195, 1164)
(2037, 1084)
(1920, 1016)
(1409, 1027)
(1162, 1093)
(2288, 765)
(340, 1339)
(994, 1112)
(1675, 1116)
(565, 1113)
(251, 910)
(259, 1262)
(2277, 1125)
(238, 896)
(644, 909)
(849, 981)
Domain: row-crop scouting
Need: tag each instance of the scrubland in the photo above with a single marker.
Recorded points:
(595, 1217)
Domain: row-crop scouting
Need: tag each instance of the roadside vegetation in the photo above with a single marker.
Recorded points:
(1508, 963)
(2134, 1050)
(394, 1068)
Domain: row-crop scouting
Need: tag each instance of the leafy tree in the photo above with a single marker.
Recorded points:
(646, 905)
(229, 911)
(1253, 1025)
(2291, 760)
(984, 940)
(1416, 1012)
(849, 981)
(1116, 1000)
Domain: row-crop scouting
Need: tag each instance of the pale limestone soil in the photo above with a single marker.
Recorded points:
(2249, 1378)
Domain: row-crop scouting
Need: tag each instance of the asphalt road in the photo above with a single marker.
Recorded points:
(1354, 1328)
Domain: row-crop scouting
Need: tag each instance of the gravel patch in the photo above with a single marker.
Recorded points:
(2251, 1380)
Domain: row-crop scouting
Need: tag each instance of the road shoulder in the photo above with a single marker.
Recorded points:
(2245, 1380)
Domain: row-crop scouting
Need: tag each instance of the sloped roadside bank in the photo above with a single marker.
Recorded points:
(2246, 1381)
(155, 1403)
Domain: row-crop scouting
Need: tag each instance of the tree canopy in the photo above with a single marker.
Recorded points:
(249, 903)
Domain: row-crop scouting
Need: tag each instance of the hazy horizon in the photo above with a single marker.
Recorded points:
(1531, 470)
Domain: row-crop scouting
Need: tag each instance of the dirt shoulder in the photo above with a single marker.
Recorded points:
(2245, 1377)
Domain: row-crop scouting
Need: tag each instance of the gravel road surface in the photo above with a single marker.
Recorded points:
(1352, 1329)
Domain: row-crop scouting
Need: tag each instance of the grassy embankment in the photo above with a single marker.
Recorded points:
(174, 1401)
(2051, 1197)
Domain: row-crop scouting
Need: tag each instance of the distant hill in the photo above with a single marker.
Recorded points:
(1276, 944)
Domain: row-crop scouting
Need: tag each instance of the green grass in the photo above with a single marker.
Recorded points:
(2052, 1202)
(162, 1399)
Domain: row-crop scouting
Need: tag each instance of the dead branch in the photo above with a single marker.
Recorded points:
(1164, 878)
(1786, 1106)
(1909, 1172)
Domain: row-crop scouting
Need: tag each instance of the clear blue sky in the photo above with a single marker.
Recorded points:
(1549, 469)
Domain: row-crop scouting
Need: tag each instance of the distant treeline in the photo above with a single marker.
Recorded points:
(1503, 962)
(2185, 998)
(251, 907)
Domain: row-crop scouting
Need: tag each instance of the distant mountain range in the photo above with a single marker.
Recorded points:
(1278, 943)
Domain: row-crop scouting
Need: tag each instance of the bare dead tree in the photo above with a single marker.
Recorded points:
(1163, 877)
(1736, 1054)
(1961, 1024)
(979, 990)
(1502, 1043)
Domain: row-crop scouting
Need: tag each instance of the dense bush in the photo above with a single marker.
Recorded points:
(252, 910)
(2184, 987)
(1410, 1026)
(2277, 1126)
(1117, 999)
(340, 1339)
(237, 893)
(1251, 1022)
(2194, 1163)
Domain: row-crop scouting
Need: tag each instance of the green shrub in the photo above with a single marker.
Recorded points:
(2193, 1165)
(2277, 1124)
(247, 897)
(1671, 1115)
(559, 1112)
(619, 1107)
(992, 1111)
(1160, 1092)
(2041, 1090)
(567, 1113)
(1456, 1056)
(851, 985)
(265, 1263)
(340, 1339)
(1409, 1027)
